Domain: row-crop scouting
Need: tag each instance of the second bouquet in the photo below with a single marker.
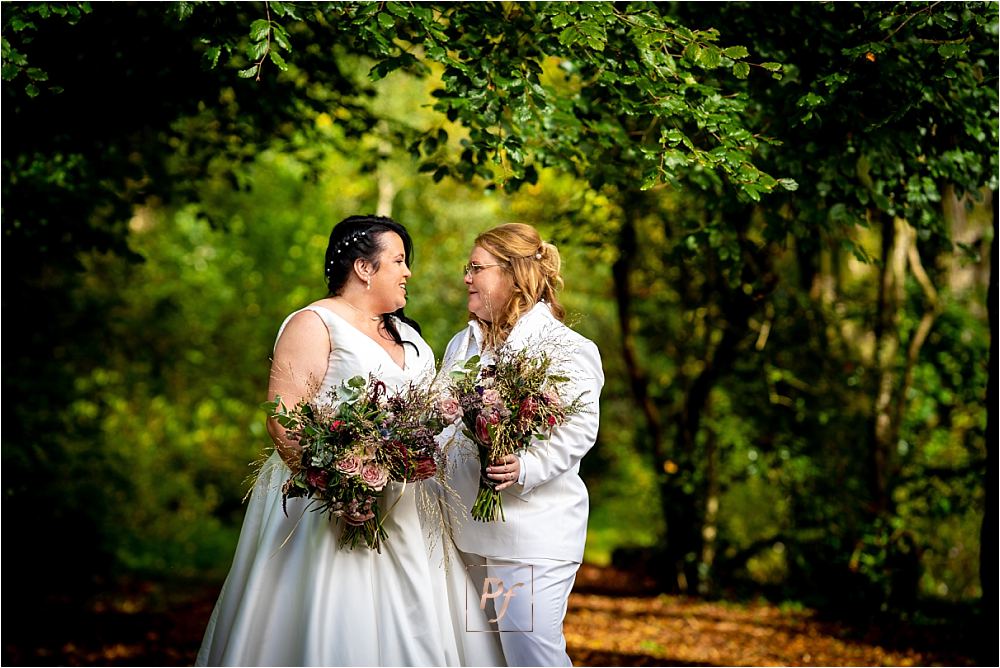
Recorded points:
(356, 443)
(506, 407)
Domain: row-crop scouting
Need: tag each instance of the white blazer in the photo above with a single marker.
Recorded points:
(546, 513)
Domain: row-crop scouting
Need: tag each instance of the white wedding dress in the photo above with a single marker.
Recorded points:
(294, 598)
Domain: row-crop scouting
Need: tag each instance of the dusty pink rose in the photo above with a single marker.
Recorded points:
(450, 409)
(491, 398)
(374, 476)
(349, 465)
(551, 397)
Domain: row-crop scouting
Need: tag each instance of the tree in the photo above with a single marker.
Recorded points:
(882, 108)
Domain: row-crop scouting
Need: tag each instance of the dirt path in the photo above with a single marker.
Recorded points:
(642, 630)
(611, 621)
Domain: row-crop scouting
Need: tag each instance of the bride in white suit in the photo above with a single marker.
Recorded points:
(512, 278)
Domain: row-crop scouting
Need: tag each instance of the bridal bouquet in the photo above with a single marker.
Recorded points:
(354, 445)
(505, 407)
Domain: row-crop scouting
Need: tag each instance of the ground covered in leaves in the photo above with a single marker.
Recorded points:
(612, 620)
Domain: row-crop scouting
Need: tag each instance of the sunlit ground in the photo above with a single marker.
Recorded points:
(661, 630)
(610, 622)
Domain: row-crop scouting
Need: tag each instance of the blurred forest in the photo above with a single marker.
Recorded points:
(777, 223)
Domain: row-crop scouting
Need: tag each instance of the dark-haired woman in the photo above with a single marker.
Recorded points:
(293, 597)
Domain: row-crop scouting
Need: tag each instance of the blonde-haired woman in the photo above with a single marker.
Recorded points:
(512, 279)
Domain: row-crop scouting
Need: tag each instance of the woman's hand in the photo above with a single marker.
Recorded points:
(505, 471)
(358, 518)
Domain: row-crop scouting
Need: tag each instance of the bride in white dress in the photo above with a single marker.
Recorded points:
(293, 597)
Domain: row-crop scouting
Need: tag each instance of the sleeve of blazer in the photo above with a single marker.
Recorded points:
(573, 439)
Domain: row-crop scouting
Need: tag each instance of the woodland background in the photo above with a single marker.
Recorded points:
(777, 223)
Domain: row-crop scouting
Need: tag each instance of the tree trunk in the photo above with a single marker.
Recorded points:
(384, 181)
(709, 530)
(988, 532)
(621, 271)
(895, 240)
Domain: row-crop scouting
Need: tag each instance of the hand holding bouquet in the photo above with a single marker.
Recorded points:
(352, 446)
(505, 407)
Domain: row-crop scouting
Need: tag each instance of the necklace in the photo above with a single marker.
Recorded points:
(373, 318)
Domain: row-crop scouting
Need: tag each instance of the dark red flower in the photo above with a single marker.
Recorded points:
(317, 478)
(425, 468)
(482, 429)
(552, 420)
(528, 408)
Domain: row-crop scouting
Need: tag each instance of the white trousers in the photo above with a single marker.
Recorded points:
(531, 618)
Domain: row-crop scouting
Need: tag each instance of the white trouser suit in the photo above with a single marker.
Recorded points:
(546, 511)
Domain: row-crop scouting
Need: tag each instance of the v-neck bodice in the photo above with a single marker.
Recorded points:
(354, 353)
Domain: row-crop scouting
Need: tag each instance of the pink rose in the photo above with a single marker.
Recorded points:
(491, 398)
(449, 408)
(374, 476)
(551, 397)
(349, 465)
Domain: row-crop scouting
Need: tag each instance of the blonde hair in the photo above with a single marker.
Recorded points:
(532, 268)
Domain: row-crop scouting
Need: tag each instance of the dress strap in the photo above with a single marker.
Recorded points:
(324, 314)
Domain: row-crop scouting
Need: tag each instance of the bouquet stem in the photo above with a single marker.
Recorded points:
(371, 532)
(489, 502)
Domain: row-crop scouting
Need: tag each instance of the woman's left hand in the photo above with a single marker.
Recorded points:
(505, 471)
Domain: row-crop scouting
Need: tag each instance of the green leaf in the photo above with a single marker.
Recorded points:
(569, 36)
(809, 100)
(736, 52)
(711, 57)
(277, 60)
(386, 21)
(953, 50)
(211, 56)
(561, 20)
(248, 73)
(277, 7)
(256, 50)
(31, 90)
(741, 70)
(693, 52)
(259, 30)
(771, 67)
(400, 10)
(788, 184)
(281, 37)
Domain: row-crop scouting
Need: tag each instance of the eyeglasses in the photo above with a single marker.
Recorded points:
(474, 268)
